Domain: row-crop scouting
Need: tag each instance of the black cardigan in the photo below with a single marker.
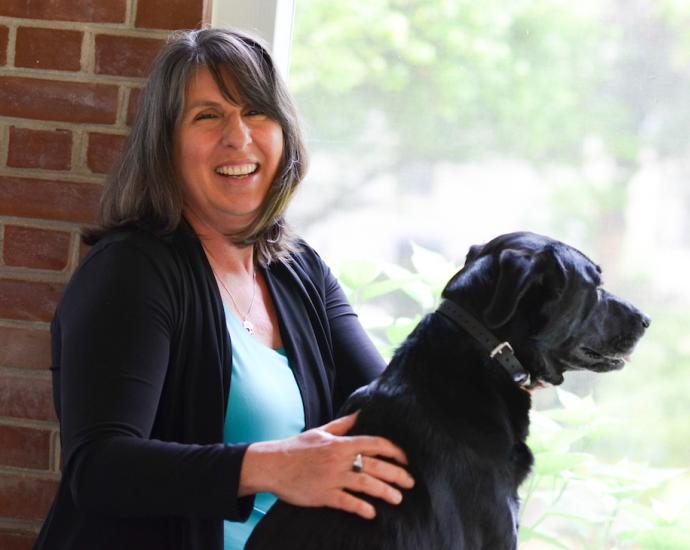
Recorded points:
(141, 364)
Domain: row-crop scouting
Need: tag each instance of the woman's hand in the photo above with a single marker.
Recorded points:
(315, 467)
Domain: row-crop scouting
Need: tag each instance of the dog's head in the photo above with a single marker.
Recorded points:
(546, 299)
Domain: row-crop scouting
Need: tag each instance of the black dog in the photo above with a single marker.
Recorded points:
(453, 398)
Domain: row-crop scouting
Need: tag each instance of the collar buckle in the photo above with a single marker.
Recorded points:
(502, 352)
(499, 349)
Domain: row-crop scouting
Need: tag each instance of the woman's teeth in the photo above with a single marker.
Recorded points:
(237, 170)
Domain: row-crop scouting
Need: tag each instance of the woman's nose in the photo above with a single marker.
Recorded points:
(236, 133)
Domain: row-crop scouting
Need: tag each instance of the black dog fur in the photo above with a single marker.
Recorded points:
(458, 415)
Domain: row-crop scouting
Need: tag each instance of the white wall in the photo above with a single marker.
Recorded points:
(270, 19)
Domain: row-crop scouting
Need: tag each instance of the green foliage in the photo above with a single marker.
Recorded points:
(575, 498)
(457, 79)
(370, 282)
(655, 386)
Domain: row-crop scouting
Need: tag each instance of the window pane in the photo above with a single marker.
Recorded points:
(446, 122)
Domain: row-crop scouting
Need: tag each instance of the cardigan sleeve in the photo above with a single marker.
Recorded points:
(111, 341)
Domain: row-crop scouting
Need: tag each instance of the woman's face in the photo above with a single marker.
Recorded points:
(226, 154)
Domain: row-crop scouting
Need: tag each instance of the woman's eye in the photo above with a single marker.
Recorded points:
(205, 116)
(253, 112)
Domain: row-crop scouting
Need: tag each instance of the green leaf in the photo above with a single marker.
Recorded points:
(420, 293)
(380, 288)
(550, 463)
(400, 329)
(434, 268)
(527, 533)
(358, 273)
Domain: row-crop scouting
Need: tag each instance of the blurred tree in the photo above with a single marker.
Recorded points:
(402, 84)
(453, 78)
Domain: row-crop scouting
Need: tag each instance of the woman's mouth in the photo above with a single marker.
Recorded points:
(237, 170)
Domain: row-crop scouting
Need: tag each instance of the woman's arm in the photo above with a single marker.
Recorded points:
(116, 322)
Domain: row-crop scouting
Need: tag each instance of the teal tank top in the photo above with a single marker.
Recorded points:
(264, 403)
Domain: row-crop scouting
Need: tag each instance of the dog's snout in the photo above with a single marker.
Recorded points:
(644, 320)
(634, 318)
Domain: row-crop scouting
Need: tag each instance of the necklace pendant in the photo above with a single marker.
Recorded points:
(248, 326)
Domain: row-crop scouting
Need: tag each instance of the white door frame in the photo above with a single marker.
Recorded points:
(270, 19)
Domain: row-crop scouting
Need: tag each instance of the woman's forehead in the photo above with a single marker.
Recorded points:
(202, 85)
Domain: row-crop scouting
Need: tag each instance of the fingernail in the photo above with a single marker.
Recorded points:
(406, 482)
(397, 497)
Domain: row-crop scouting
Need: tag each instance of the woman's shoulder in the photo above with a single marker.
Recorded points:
(132, 237)
(128, 254)
(306, 265)
(133, 242)
(305, 258)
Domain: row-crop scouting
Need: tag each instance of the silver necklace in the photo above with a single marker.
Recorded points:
(246, 323)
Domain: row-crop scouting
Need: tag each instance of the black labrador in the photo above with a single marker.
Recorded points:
(523, 310)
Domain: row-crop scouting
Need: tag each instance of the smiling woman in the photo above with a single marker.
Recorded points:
(227, 155)
(146, 188)
(201, 350)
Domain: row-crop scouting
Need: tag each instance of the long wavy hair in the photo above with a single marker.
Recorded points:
(144, 190)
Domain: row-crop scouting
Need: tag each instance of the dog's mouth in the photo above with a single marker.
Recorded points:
(599, 361)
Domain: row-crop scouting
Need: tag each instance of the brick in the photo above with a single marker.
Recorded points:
(94, 11)
(34, 198)
(57, 100)
(103, 151)
(28, 300)
(24, 348)
(48, 49)
(125, 55)
(13, 540)
(23, 498)
(36, 248)
(132, 105)
(48, 149)
(26, 398)
(24, 447)
(169, 14)
(4, 33)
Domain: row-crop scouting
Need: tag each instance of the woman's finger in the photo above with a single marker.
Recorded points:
(342, 425)
(369, 485)
(343, 500)
(385, 471)
(377, 446)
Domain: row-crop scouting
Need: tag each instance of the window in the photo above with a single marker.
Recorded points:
(442, 123)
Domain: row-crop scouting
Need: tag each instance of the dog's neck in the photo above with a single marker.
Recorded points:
(502, 352)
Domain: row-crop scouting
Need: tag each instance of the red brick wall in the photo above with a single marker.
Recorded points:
(70, 72)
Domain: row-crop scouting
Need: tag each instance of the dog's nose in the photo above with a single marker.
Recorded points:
(644, 320)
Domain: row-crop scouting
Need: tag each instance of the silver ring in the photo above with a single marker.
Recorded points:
(357, 465)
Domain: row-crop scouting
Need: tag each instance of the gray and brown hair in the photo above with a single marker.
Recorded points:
(143, 189)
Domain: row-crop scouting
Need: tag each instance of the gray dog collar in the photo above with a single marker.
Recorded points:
(499, 351)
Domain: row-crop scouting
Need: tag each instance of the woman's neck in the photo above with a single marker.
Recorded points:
(224, 255)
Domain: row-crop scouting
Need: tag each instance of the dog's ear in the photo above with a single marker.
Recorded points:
(517, 272)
